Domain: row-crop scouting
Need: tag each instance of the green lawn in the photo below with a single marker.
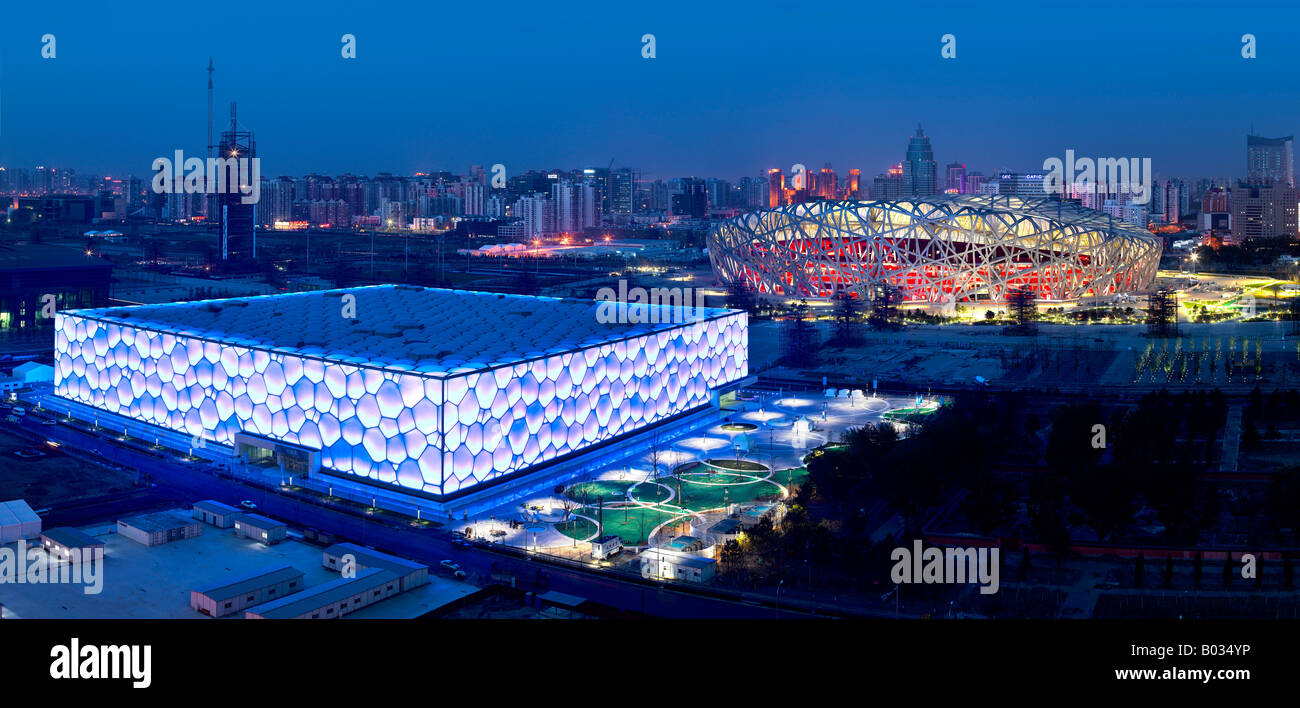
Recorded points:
(578, 528)
(650, 492)
(739, 465)
(610, 489)
(633, 524)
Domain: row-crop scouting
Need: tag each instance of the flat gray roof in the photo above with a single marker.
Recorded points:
(259, 522)
(159, 521)
(71, 538)
(320, 595)
(370, 558)
(679, 558)
(244, 584)
(433, 331)
(215, 507)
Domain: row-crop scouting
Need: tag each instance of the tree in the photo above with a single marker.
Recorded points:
(800, 341)
(848, 318)
(1023, 306)
(884, 307)
(740, 297)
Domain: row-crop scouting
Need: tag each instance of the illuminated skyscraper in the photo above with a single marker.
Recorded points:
(920, 171)
(1270, 160)
(956, 178)
(775, 188)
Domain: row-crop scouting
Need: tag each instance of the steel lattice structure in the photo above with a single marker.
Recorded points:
(941, 249)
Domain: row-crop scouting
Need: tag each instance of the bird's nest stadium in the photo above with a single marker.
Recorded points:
(936, 250)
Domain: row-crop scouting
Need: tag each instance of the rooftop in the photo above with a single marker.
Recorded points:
(320, 595)
(158, 521)
(215, 507)
(244, 584)
(71, 538)
(258, 521)
(432, 331)
(370, 558)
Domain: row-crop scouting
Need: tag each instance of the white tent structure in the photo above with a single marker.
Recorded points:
(18, 521)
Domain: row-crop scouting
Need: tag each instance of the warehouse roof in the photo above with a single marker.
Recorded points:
(214, 507)
(71, 538)
(370, 558)
(158, 521)
(244, 584)
(258, 521)
(433, 331)
(20, 510)
(320, 595)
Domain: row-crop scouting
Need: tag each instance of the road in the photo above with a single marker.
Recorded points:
(182, 483)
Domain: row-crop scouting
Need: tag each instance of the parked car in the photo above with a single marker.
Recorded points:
(450, 565)
(248, 504)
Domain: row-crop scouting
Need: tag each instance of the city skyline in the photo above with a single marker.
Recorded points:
(473, 95)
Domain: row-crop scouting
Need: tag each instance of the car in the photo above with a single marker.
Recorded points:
(450, 565)
(460, 574)
(248, 504)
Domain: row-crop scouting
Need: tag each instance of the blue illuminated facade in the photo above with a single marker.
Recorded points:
(392, 417)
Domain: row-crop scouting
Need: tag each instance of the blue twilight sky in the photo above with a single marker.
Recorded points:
(735, 87)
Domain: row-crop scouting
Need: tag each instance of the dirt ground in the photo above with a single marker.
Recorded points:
(45, 476)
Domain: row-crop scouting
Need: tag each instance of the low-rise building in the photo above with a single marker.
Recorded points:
(159, 528)
(71, 545)
(665, 564)
(230, 596)
(18, 521)
(409, 573)
(260, 528)
(332, 599)
(214, 512)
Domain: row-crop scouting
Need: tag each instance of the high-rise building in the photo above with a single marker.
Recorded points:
(537, 214)
(920, 171)
(853, 188)
(775, 188)
(622, 192)
(1263, 211)
(956, 183)
(826, 185)
(472, 192)
(237, 220)
(277, 200)
(693, 200)
(575, 205)
(889, 185)
(1270, 160)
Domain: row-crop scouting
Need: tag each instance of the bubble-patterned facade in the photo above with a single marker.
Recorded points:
(407, 413)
